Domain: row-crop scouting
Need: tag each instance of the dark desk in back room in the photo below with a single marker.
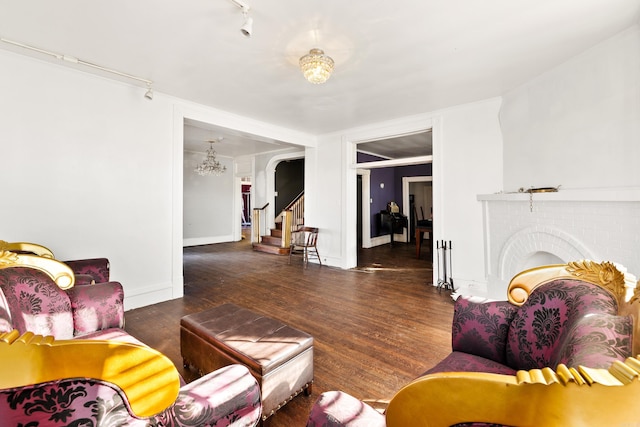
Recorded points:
(392, 223)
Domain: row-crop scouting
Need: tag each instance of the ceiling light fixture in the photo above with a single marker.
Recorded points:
(149, 93)
(316, 66)
(74, 60)
(210, 165)
(247, 27)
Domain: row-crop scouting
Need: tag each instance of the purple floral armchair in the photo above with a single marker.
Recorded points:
(569, 316)
(565, 321)
(76, 321)
(107, 383)
(31, 300)
(91, 270)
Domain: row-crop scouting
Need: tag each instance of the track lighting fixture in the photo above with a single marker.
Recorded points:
(149, 93)
(74, 60)
(247, 26)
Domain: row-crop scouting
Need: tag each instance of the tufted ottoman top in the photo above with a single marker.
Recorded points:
(261, 343)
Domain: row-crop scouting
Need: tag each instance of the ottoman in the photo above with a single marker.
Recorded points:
(278, 356)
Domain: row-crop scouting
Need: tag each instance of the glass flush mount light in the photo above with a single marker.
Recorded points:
(316, 66)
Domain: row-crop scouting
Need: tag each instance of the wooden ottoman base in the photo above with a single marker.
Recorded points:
(278, 356)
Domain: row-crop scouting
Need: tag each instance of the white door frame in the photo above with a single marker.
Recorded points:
(380, 131)
(366, 207)
(406, 180)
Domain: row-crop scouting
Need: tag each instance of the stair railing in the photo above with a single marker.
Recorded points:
(297, 209)
(258, 223)
(292, 218)
(287, 219)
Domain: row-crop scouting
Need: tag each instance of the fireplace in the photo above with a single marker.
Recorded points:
(523, 230)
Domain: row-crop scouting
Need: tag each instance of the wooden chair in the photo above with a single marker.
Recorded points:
(303, 242)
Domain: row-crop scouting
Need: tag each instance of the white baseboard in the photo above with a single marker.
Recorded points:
(470, 288)
(150, 295)
(197, 241)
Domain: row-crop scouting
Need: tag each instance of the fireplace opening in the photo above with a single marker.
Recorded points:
(541, 258)
(538, 245)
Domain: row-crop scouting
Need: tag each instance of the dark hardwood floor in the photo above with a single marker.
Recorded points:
(375, 328)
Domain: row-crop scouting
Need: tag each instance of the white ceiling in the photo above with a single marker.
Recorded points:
(393, 58)
(232, 144)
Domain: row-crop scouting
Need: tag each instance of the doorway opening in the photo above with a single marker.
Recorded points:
(383, 167)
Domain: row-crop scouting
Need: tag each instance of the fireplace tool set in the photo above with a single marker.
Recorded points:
(445, 281)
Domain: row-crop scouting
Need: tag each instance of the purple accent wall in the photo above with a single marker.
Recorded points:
(392, 191)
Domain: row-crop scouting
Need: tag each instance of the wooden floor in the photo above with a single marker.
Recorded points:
(375, 328)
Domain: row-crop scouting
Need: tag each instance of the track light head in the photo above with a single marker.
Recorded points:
(149, 93)
(247, 27)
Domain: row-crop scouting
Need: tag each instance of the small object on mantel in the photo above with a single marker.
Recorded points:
(540, 189)
(532, 190)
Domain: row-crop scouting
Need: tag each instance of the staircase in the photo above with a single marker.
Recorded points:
(278, 240)
(272, 243)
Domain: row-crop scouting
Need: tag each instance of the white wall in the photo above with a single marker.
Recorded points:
(94, 169)
(208, 203)
(87, 168)
(467, 161)
(577, 125)
(326, 198)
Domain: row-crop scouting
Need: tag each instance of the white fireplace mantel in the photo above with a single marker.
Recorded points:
(522, 229)
(625, 194)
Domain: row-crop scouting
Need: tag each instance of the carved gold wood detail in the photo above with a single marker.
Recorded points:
(59, 272)
(148, 378)
(605, 274)
(8, 258)
(540, 397)
(26, 247)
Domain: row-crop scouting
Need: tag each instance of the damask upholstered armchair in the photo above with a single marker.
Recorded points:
(39, 295)
(46, 382)
(560, 347)
(67, 361)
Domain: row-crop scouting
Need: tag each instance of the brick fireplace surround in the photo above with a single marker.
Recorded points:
(568, 225)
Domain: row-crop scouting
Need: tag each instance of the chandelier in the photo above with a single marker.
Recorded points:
(316, 66)
(210, 166)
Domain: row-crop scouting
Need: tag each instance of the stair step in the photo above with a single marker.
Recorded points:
(277, 250)
(276, 232)
(271, 240)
